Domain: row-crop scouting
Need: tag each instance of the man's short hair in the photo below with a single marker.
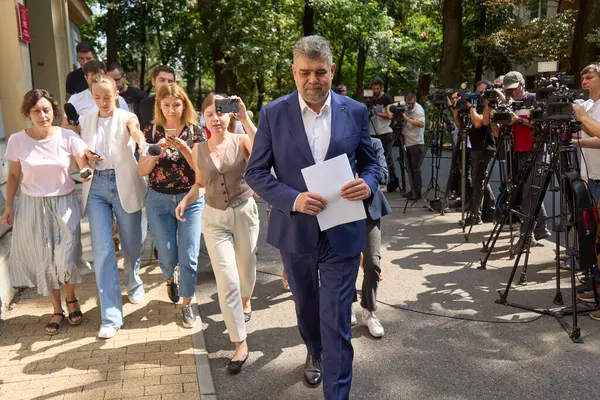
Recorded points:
(591, 68)
(410, 96)
(163, 68)
(376, 81)
(499, 78)
(94, 67)
(84, 47)
(315, 47)
(115, 65)
(484, 82)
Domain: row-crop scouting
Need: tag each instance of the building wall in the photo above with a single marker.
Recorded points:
(44, 64)
(15, 70)
(50, 45)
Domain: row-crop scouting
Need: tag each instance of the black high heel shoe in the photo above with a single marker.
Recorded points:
(235, 367)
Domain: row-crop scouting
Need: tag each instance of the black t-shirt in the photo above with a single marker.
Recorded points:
(76, 82)
(133, 96)
(146, 110)
(379, 125)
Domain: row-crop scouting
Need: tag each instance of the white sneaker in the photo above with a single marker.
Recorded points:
(353, 320)
(138, 299)
(372, 322)
(106, 332)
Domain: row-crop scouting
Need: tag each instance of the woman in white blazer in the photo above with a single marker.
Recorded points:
(115, 189)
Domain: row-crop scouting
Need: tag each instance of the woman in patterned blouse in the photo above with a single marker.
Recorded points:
(170, 177)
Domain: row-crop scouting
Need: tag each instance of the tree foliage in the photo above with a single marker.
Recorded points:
(244, 47)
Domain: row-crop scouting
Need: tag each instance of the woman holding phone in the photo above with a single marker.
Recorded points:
(230, 219)
(170, 177)
(115, 190)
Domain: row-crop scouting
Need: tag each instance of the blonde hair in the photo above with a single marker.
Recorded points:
(101, 78)
(188, 117)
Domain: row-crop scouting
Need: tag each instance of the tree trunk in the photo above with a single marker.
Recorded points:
(218, 67)
(423, 87)
(337, 79)
(450, 71)
(584, 52)
(479, 52)
(308, 21)
(260, 85)
(360, 72)
(111, 32)
(144, 49)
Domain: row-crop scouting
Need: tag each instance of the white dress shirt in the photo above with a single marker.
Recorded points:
(84, 102)
(317, 128)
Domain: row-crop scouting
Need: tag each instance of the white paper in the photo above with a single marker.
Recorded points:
(326, 179)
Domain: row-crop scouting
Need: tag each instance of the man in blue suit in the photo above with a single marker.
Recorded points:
(296, 131)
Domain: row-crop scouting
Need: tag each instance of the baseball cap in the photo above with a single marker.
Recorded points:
(512, 80)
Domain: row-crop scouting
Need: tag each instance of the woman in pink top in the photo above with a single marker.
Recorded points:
(46, 248)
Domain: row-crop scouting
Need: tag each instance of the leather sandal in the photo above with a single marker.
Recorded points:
(74, 314)
(55, 325)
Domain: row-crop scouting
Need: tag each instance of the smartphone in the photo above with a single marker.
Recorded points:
(170, 133)
(226, 105)
(95, 154)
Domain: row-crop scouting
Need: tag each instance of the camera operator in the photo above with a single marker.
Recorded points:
(483, 147)
(589, 116)
(522, 130)
(379, 126)
(414, 139)
(454, 185)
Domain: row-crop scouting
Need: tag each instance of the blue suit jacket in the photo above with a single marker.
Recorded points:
(281, 144)
(379, 207)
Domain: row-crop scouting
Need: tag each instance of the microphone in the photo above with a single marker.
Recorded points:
(154, 150)
(72, 116)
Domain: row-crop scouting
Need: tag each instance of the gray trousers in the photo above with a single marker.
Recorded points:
(481, 161)
(414, 154)
(371, 265)
(531, 191)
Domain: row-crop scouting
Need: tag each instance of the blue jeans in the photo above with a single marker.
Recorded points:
(177, 242)
(102, 202)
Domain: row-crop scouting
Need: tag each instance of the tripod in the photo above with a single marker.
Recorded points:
(574, 199)
(504, 156)
(438, 127)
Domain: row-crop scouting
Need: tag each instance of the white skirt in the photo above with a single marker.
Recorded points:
(46, 248)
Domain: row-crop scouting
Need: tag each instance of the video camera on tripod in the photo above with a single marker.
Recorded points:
(439, 97)
(398, 110)
(554, 98)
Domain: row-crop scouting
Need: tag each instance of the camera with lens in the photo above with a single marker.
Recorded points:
(555, 98)
(467, 97)
(440, 96)
(398, 110)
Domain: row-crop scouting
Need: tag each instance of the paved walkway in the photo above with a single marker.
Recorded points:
(152, 357)
(445, 336)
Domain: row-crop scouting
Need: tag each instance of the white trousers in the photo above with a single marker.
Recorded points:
(231, 236)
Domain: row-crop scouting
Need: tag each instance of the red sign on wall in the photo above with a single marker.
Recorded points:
(23, 21)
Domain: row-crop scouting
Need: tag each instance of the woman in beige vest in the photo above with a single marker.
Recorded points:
(230, 218)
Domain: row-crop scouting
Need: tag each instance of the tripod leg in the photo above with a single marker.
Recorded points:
(463, 175)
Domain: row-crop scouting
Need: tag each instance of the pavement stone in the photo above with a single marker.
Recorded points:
(445, 337)
(151, 357)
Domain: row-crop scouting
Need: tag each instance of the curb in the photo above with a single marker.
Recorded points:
(203, 371)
